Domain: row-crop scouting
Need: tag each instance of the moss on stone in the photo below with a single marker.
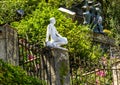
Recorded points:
(63, 71)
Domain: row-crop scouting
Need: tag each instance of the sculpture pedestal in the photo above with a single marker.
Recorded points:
(57, 62)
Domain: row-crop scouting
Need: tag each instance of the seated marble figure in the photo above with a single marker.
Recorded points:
(53, 38)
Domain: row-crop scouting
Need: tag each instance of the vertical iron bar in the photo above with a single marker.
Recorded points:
(22, 53)
(30, 66)
(40, 61)
(13, 46)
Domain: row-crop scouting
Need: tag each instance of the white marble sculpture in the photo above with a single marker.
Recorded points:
(56, 40)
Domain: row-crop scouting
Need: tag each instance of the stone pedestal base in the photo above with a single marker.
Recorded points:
(57, 63)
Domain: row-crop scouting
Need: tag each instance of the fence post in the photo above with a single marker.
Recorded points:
(57, 63)
(116, 73)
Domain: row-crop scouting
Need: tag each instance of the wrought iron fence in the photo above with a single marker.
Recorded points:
(100, 71)
(34, 61)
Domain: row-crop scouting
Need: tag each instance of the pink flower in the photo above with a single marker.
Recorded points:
(101, 73)
(30, 57)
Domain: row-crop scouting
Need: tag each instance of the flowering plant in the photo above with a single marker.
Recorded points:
(101, 73)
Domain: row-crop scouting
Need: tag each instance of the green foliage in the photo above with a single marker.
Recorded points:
(115, 19)
(64, 2)
(111, 15)
(14, 75)
(33, 27)
(8, 9)
(99, 75)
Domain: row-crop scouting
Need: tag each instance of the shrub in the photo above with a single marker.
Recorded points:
(33, 27)
(14, 75)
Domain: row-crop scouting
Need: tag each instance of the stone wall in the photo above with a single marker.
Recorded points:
(9, 45)
(100, 38)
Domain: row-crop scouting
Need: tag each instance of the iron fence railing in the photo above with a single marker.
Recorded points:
(36, 61)
(33, 60)
(101, 71)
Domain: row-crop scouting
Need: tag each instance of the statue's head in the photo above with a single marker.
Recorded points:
(52, 20)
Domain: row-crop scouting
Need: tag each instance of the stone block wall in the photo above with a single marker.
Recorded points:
(9, 45)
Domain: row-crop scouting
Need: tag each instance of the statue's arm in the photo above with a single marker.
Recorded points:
(58, 34)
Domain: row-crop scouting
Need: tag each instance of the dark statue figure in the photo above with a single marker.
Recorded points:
(92, 15)
(98, 22)
(86, 15)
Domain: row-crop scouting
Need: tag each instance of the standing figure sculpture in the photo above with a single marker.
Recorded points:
(56, 40)
(86, 15)
(98, 27)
